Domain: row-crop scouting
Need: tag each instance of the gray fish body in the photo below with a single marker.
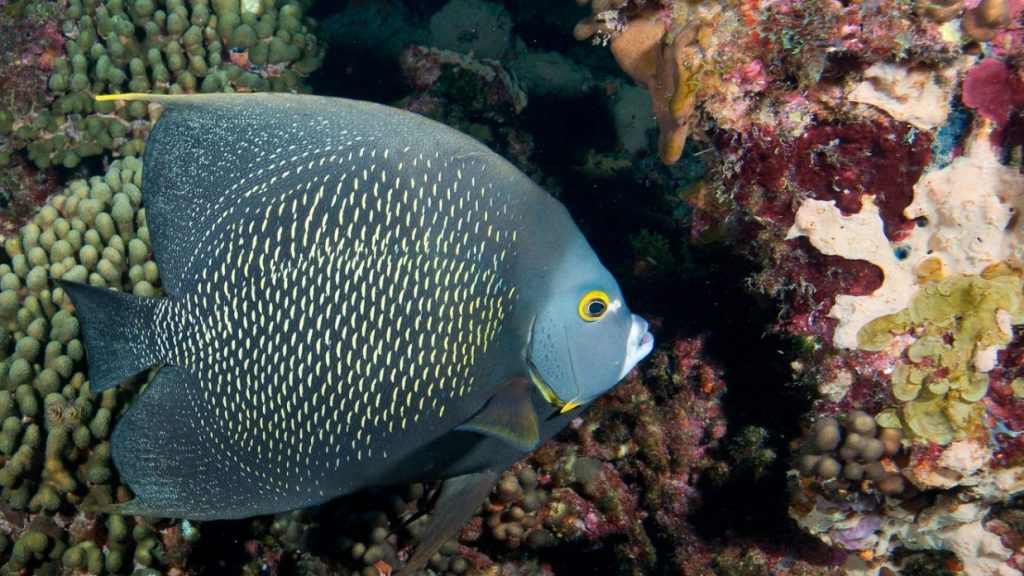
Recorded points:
(347, 284)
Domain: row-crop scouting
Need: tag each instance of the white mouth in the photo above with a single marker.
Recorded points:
(638, 345)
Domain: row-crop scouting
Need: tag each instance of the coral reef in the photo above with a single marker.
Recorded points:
(859, 456)
(662, 53)
(961, 324)
(54, 442)
(864, 156)
(31, 43)
(951, 211)
(102, 46)
(868, 158)
(936, 336)
(624, 478)
(946, 509)
(23, 189)
(632, 467)
(730, 65)
(482, 87)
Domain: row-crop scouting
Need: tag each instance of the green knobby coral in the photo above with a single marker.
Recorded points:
(54, 433)
(958, 325)
(158, 46)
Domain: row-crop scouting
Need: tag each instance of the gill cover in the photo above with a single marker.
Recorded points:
(581, 337)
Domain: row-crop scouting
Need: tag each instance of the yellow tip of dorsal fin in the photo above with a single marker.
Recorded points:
(166, 99)
(127, 96)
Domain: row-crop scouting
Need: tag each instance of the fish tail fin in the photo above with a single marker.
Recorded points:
(119, 332)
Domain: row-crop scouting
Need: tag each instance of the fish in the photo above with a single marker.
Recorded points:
(355, 296)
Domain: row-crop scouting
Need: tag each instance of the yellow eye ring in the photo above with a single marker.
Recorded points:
(593, 305)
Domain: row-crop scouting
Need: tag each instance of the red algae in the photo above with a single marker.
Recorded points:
(994, 90)
(29, 47)
(845, 162)
(1005, 404)
(840, 162)
(23, 189)
(767, 176)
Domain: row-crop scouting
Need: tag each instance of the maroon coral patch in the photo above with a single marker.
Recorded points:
(844, 162)
(994, 90)
(769, 176)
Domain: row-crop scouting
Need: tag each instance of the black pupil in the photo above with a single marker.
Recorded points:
(595, 307)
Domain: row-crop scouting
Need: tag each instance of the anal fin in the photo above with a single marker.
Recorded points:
(165, 451)
(460, 499)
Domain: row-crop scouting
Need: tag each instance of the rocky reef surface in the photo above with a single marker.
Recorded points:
(816, 203)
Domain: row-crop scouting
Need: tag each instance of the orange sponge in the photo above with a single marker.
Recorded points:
(662, 64)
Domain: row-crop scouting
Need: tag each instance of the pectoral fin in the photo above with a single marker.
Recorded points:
(460, 499)
(508, 416)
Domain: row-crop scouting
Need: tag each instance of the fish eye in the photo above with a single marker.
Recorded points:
(593, 305)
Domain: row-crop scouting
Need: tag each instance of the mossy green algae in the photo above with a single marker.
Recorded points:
(954, 322)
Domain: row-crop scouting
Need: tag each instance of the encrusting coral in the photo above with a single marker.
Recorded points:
(936, 332)
(971, 202)
(843, 123)
(959, 324)
(947, 509)
(753, 65)
(867, 156)
(922, 347)
(917, 95)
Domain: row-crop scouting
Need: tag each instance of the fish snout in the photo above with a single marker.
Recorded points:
(638, 345)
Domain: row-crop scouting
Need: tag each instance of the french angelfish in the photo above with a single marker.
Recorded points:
(356, 296)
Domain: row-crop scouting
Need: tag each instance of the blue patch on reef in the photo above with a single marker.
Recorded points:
(948, 138)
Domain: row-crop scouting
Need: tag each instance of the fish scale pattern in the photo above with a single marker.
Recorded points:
(348, 297)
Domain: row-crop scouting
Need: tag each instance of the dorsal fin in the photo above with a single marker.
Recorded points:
(213, 157)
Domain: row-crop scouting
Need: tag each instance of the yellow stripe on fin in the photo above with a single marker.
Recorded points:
(126, 96)
(165, 98)
(570, 406)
